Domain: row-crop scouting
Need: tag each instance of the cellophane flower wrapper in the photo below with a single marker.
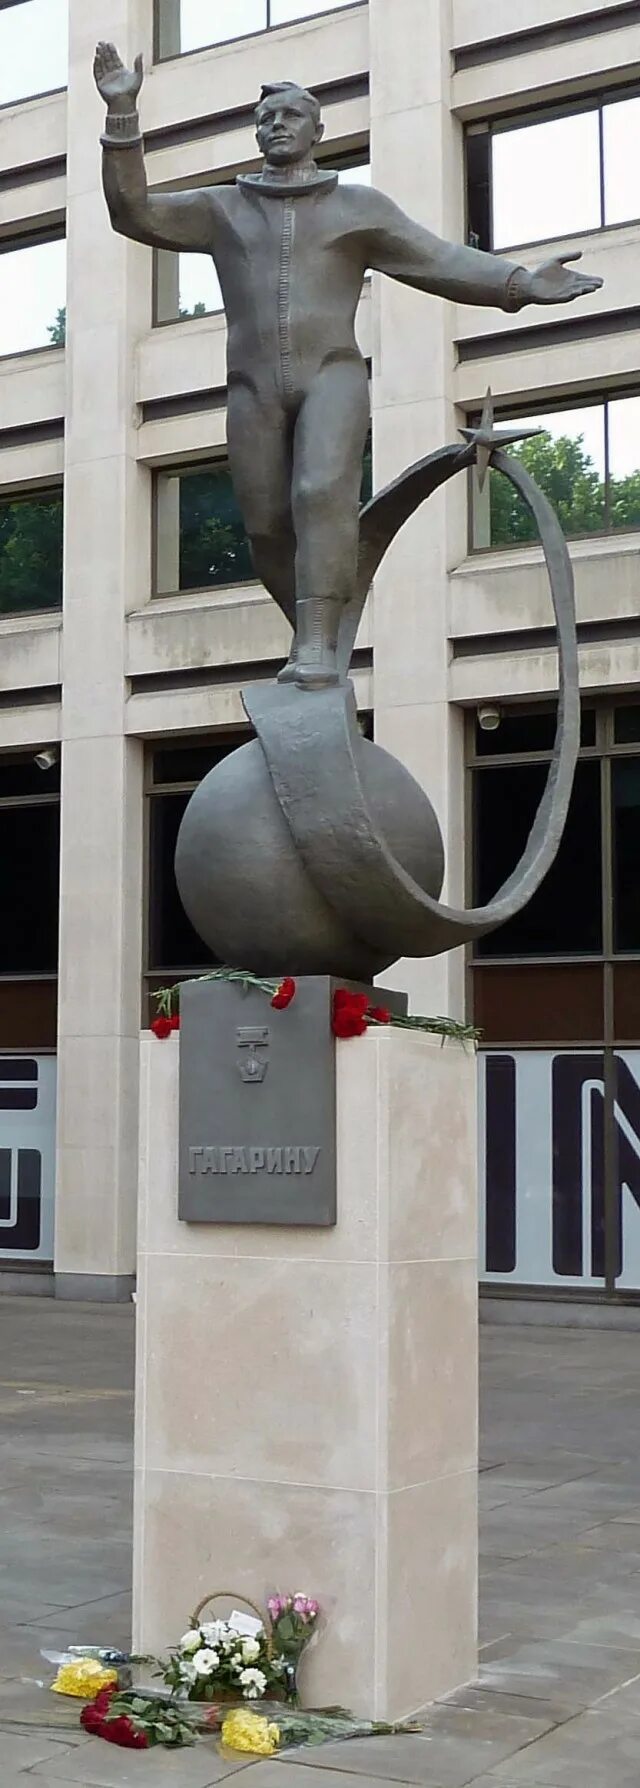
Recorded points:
(279, 1727)
(296, 1624)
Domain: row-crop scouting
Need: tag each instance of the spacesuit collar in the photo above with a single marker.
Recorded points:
(289, 189)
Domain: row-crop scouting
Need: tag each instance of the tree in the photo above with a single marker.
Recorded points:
(58, 330)
(584, 502)
(31, 554)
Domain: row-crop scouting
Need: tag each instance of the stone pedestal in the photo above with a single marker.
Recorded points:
(307, 1399)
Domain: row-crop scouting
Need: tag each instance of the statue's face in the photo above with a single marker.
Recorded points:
(287, 130)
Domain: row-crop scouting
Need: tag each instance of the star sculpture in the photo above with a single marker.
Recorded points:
(486, 438)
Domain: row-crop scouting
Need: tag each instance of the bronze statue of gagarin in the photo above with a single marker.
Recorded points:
(291, 248)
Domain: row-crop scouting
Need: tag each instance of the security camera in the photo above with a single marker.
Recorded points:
(489, 719)
(46, 759)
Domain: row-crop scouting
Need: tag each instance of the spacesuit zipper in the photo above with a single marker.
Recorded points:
(284, 297)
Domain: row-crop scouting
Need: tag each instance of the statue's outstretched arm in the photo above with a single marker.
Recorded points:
(176, 220)
(407, 252)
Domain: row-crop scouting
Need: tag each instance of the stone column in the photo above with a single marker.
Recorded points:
(416, 157)
(306, 1399)
(107, 533)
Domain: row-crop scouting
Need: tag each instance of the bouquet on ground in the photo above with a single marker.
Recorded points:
(226, 1658)
(294, 1620)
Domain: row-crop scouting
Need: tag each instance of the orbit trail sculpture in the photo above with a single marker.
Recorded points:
(353, 875)
(311, 850)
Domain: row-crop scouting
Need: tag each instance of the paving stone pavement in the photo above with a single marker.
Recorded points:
(557, 1702)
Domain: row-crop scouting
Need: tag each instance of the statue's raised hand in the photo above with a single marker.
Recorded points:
(118, 85)
(556, 283)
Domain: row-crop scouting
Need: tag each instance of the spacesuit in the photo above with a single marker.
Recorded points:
(291, 256)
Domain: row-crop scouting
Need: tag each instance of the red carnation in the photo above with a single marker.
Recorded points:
(162, 1027)
(379, 1015)
(175, 1021)
(284, 994)
(349, 1016)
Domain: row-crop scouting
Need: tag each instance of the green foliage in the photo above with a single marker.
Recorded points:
(31, 554)
(58, 330)
(566, 473)
(213, 545)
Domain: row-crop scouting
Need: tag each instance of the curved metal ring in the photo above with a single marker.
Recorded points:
(310, 740)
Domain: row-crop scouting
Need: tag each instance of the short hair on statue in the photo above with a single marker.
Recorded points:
(272, 88)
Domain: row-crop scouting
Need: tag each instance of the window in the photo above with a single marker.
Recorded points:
(587, 462)
(33, 48)
(187, 285)
(183, 25)
(541, 977)
(174, 949)
(29, 845)
(33, 279)
(554, 174)
(31, 552)
(200, 540)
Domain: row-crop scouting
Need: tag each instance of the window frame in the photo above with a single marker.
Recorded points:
(245, 36)
(550, 113)
(24, 99)
(543, 407)
(34, 494)
(217, 459)
(18, 242)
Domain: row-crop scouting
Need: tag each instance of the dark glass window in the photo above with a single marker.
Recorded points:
(31, 552)
(587, 462)
(558, 173)
(626, 853)
(627, 726)
(519, 730)
(200, 538)
(29, 850)
(173, 943)
(565, 916)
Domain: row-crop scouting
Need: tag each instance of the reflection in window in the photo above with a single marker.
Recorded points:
(554, 176)
(33, 48)
(188, 286)
(545, 179)
(32, 294)
(184, 25)
(587, 462)
(200, 539)
(30, 552)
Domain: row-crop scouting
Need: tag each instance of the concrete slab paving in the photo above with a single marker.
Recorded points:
(558, 1697)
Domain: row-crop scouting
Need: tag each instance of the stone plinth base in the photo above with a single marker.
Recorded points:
(306, 1413)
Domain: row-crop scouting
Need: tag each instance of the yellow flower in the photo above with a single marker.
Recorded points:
(84, 1678)
(243, 1731)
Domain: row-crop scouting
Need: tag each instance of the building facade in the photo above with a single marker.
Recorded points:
(129, 616)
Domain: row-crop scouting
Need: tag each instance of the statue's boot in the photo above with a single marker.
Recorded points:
(313, 662)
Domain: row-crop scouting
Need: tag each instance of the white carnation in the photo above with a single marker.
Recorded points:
(190, 1642)
(188, 1674)
(250, 1650)
(206, 1662)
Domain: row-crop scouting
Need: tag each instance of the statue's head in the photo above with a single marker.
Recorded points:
(288, 123)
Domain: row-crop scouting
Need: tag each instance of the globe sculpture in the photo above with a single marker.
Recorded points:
(313, 851)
